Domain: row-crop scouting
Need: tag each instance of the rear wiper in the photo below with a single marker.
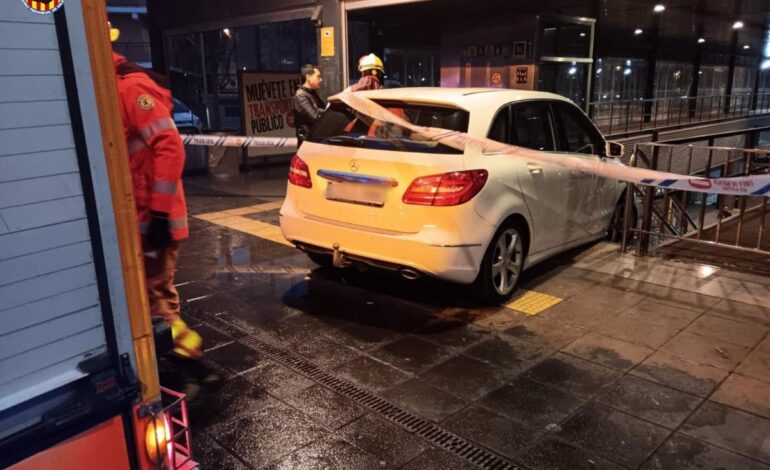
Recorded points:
(346, 140)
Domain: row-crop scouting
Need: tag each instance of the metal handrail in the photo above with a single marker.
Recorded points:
(666, 223)
(624, 116)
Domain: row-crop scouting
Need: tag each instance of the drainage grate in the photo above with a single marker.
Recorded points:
(410, 422)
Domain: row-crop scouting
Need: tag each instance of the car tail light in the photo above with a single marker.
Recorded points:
(448, 189)
(299, 173)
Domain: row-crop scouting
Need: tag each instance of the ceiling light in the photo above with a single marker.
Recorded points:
(745, 46)
(659, 8)
(638, 31)
(582, 35)
(701, 40)
(738, 25)
(226, 32)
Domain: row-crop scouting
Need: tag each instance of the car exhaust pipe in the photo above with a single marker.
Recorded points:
(408, 273)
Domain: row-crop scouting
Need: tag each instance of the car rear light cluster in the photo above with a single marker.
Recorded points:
(299, 173)
(448, 189)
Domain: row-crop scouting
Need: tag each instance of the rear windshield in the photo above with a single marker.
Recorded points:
(341, 125)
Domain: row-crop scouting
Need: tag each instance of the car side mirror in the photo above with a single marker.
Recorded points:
(613, 149)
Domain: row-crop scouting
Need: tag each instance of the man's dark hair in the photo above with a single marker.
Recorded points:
(308, 69)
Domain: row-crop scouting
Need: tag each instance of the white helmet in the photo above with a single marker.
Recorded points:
(369, 62)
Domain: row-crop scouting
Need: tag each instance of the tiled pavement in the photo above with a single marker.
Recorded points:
(645, 364)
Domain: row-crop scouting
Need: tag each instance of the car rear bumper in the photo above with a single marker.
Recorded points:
(430, 252)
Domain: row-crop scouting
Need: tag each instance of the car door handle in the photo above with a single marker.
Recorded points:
(534, 168)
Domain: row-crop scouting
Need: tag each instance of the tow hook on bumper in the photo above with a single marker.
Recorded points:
(339, 259)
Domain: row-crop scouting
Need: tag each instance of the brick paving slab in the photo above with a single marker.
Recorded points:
(466, 377)
(533, 403)
(731, 331)
(680, 374)
(681, 452)
(609, 352)
(391, 445)
(745, 393)
(731, 429)
(756, 365)
(425, 400)
(650, 401)
(492, 430)
(371, 374)
(332, 452)
(706, 351)
(573, 375)
(616, 436)
(554, 454)
(268, 435)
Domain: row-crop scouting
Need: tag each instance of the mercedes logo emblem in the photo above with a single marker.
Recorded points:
(354, 165)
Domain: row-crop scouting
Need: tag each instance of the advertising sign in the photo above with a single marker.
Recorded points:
(266, 106)
(523, 77)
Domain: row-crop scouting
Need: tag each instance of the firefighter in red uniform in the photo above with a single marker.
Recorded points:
(372, 72)
(156, 158)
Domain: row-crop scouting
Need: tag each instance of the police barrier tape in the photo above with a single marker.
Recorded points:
(239, 141)
(758, 185)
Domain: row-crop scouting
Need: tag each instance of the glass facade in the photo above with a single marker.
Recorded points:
(204, 67)
(619, 79)
(614, 60)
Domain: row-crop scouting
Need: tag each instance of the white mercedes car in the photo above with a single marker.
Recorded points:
(364, 192)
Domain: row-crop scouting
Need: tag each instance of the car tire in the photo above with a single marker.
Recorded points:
(321, 259)
(500, 271)
(615, 229)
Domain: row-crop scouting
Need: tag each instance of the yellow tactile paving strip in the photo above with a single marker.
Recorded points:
(264, 207)
(531, 302)
(233, 218)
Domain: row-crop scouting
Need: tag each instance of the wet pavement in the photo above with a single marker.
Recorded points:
(640, 363)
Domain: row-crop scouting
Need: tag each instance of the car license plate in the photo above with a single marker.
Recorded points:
(366, 194)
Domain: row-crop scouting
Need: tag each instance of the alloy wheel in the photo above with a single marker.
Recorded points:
(507, 261)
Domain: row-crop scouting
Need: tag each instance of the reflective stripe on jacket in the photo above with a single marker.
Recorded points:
(155, 150)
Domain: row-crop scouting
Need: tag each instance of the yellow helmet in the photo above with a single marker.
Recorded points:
(114, 32)
(369, 62)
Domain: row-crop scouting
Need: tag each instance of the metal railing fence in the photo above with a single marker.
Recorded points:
(618, 117)
(667, 215)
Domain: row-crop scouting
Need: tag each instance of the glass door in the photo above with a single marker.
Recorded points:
(567, 79)
(564, 51)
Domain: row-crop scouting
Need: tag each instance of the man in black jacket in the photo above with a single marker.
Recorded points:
(306, 104)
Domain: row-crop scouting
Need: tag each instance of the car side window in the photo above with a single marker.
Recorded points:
(576, 134)
(500, 126)
(531, 126)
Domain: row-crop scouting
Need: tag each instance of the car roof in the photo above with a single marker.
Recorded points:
(482, 103)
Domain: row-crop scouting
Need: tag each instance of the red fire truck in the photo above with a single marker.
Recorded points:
(79, 384)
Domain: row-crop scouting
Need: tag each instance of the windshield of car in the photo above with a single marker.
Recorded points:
(341, 125)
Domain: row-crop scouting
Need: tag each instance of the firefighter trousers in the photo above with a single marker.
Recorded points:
(159, 266)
